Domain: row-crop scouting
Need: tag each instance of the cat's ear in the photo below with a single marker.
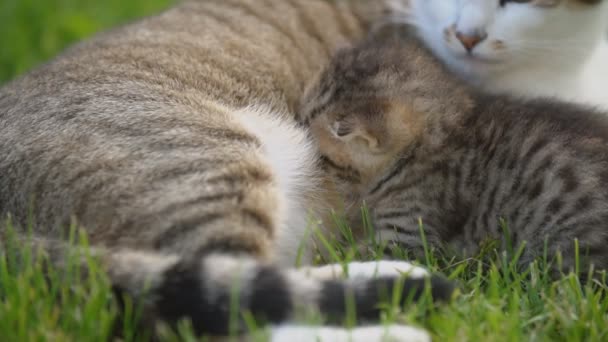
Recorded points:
(352, 131)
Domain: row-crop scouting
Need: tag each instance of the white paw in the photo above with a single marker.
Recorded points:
(391, 333)
(369, 269)
(385, 268)
(376, 333)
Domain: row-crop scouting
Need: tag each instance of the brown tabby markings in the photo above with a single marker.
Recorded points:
(112, 131)
(465, 159)
(154, 139)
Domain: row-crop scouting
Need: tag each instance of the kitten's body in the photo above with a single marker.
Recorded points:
(172, 141)
(426, 146)
(533, 48)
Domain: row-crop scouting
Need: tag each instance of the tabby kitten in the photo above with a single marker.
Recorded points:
(172, 141)
(403, 135)
(524, 47)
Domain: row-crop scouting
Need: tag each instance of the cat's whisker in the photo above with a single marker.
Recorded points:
(551, 48)
(542, 52)
(558, 45)
(540, 55)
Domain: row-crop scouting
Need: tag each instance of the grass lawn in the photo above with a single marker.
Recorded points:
(496, 303)
(32, 31)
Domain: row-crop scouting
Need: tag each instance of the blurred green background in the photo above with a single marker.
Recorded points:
(32, 31)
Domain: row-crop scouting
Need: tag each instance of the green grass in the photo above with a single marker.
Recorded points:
(32, 31)
(496, 302)
(40, 304)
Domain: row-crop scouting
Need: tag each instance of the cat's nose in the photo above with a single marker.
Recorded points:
(470, 41)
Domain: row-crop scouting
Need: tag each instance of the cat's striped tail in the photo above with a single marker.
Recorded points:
(207, 288)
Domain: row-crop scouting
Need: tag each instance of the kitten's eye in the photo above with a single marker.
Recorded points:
(341, 129)
(504, 2)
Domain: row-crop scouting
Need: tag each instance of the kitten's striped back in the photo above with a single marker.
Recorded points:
(422, 145)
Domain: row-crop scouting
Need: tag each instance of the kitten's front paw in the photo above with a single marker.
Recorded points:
(392, 333)
(385, 268)
(376, 333)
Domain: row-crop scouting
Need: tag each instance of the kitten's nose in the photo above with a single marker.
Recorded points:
(469, 41)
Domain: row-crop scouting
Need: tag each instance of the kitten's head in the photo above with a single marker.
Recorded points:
(482, 38)
(375, 100)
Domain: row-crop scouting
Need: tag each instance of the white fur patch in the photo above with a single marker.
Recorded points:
(378, 333)
(595, 78)
(228, 272)
(527, 50)
(225, 269)
(385, 268)
(292, 158)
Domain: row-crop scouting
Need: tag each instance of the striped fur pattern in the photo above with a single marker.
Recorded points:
(202, 288)
(403, 135)
(172, 141)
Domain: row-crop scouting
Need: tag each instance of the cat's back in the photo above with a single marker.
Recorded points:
(234, 52)
(102, 122)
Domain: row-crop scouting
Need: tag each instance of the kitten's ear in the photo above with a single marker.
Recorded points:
(352, 131)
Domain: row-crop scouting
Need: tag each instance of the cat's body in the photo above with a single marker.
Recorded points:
(172, 141)
(527, 48)
(423, 145)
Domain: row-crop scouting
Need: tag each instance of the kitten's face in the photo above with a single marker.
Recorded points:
(480, 38)
(355, 114)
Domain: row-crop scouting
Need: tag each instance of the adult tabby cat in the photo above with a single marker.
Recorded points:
(523, 47)
(405, 136)
(173, 142)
